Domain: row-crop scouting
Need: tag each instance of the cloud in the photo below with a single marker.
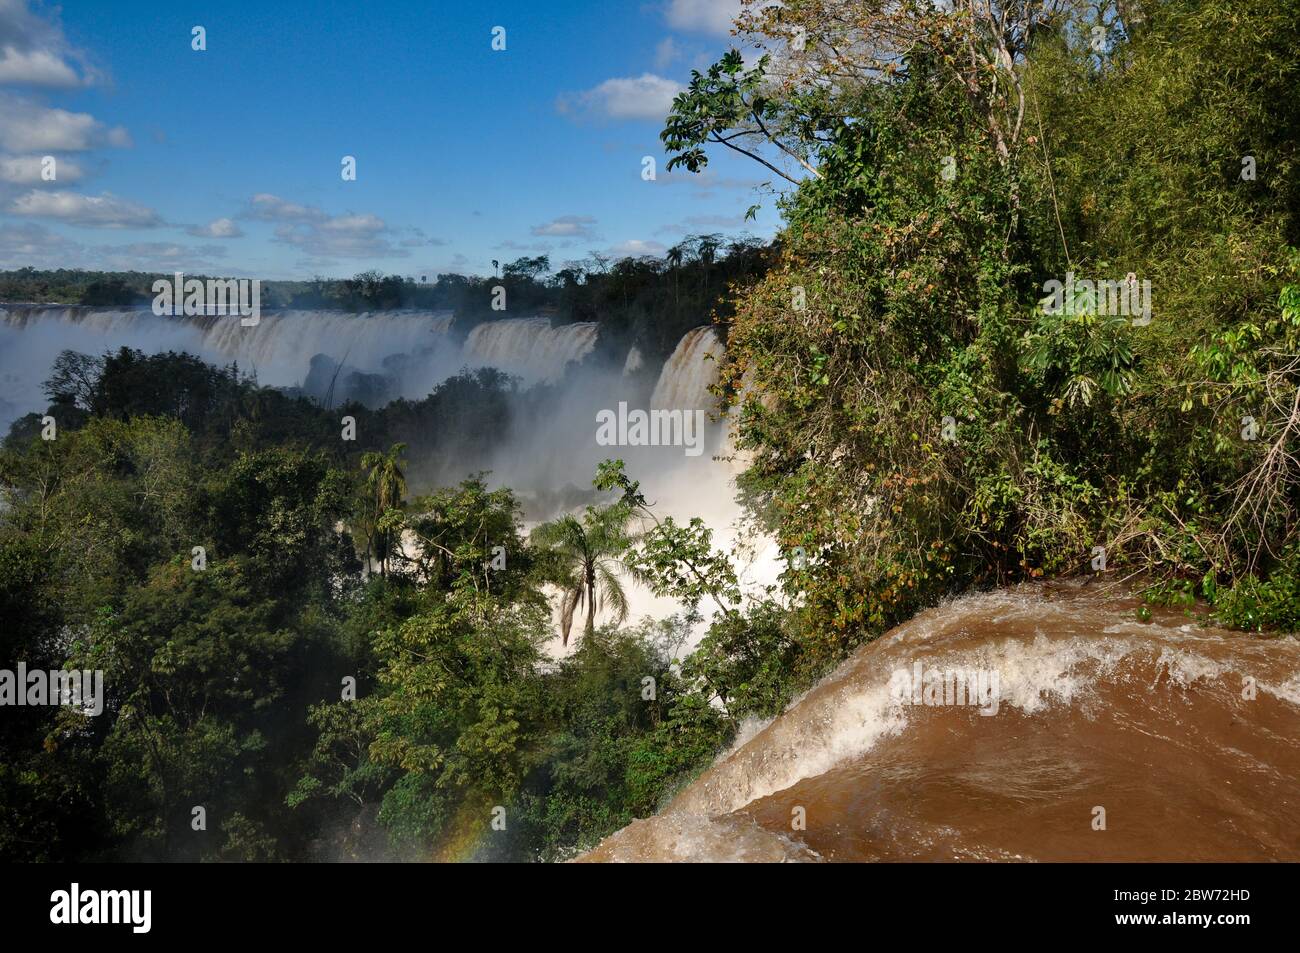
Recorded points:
(102, 211)
(566, 226)
(715, 221)
(28, 244)
(706, 180)
(354, 224)
(324, 237)
(419, 239)
(271, 208)
(667, 52)
(337, 241)
(703, 16)
(26, 126)
(26, 170)
(36, 68)
(643, 97)
(696, 222)
(635, 248)
(512, 245)
(35, 52)
(217, 228)
(158, 256)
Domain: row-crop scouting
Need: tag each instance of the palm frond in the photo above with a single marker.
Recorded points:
(612, 592)
(567, 606)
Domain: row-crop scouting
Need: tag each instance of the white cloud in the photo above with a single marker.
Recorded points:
(31, 244)
(26, 126)
(667, 52)
(566, 226)
(705, 182)
(418, 239)
(635, 248)
(321, 235)
(642, 97)
(217, 228)
(703, 16)
(158, 256)
(35, 52)
(337, 242)
(715, 221)
(102, 211)
(694, 223)
(26, 170)
(354, 224)
(544, 248)
(272, 208)
(28, 244)
(36, 68)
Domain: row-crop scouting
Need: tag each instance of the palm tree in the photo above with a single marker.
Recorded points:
(385, 485)
(588, 552)
(674, 257)
(708, 248)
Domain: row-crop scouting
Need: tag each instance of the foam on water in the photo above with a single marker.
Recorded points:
(1071, 665)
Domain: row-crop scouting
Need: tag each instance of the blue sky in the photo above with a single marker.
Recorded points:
(228, 160)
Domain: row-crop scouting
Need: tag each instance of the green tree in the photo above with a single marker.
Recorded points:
(587, 553)
(385, 490)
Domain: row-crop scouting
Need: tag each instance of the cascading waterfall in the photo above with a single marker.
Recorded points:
(1186, 734)
(282, 340)
(413, 351)
(530, 347)
(31, 337)
(279, 348)
(690, 372)
(413, 347)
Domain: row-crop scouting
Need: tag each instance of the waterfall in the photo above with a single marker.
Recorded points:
(31, 337)
(334, 357)
(530, 347)
(279, 346)
(687, 376)
(402, 353)
(282, 342)
(895, 764)
(413, 348)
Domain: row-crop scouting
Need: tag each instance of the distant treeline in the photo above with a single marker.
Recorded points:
(647, 301)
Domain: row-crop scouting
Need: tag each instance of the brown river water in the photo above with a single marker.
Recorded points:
(1085, 735)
